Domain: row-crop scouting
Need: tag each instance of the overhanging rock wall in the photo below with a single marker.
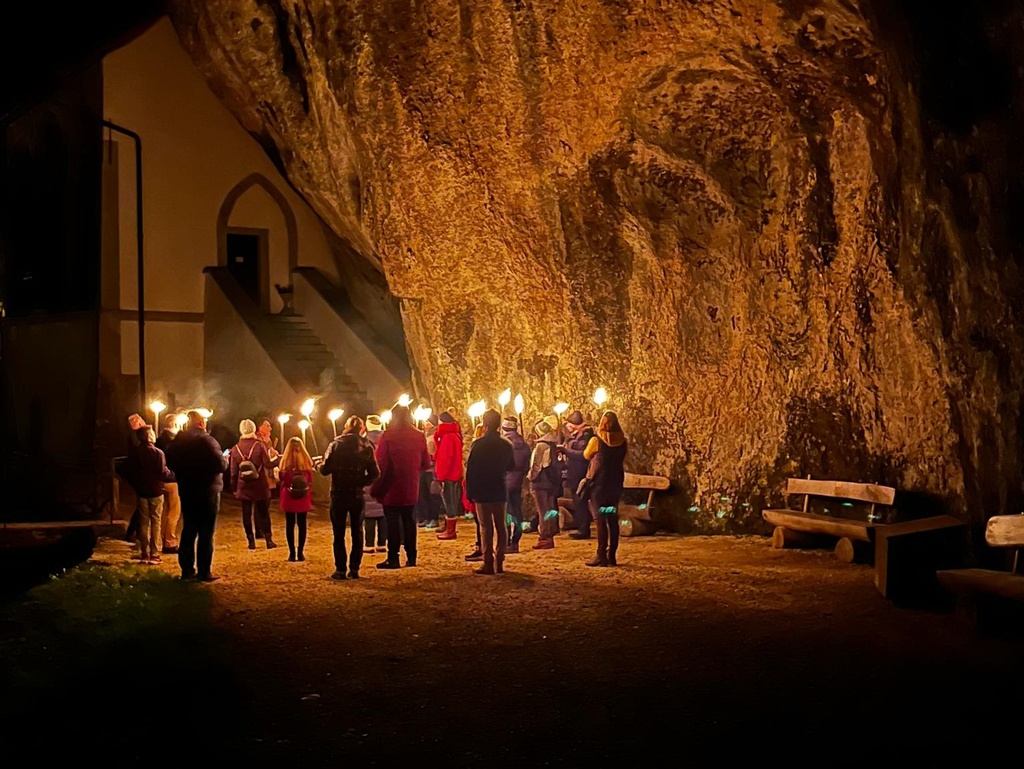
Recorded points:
(728, 213)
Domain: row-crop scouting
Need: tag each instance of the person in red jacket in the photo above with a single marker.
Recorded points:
(296, 489)
(401, 456)
(448, 470)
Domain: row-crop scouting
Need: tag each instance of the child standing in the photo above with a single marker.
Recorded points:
(296, 489)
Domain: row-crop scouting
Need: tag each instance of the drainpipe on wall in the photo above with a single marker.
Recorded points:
(140, 268)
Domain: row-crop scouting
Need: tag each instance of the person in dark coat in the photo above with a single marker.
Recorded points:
(490, 460)
(147, 469)
(607, 455)
(254, 493)
(350, 463)
(514, 482)
(578, 438)
(198, 463)
(401, 455)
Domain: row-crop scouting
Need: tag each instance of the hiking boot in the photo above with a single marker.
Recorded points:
(271, 544)
(544, 544)
(291, 556)
(353, 575)
(485, 569)
(579, 535)
(252, 543)
(206, 578)
(597, 561)
(476, 555)
(338, 575)
(388, 565)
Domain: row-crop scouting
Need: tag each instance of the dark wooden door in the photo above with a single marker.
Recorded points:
(244, 262)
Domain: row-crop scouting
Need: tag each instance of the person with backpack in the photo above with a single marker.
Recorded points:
(606, 453)
(296, 494)
(250, 468)
(546, 480)
(514, 482)
(579, 437)
(350, 463)
(146, 466)
(448, 470)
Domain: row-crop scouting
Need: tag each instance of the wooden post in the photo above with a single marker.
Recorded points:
(844, 550)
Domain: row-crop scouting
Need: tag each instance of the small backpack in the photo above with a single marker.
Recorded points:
(298, 488)
(247, 469)
(556, 467)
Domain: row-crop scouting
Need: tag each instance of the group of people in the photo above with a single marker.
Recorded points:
(385, 485)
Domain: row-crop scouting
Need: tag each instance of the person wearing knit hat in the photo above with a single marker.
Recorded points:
(546, 481)
(578, 437)
(514, 481)
(373, 423)
(249, 473)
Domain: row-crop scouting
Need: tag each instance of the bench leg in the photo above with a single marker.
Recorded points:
(851, 551)
(783, 539)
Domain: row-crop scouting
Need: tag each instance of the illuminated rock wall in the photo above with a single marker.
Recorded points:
(725, 212)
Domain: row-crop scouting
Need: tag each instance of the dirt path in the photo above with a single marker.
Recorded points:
(703, 647)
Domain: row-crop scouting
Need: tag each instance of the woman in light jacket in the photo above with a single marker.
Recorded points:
(296, 489)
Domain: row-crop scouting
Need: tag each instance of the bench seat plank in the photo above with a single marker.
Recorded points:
(811, 523)
(635, 481)
(999, 583)
(1005, 531)
(862, 492)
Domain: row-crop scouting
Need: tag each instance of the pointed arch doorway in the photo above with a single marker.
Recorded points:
(245, 251)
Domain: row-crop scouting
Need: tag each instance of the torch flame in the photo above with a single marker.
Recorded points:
(519, 404)
(477, 409)
(505, 397)
(561, 408)
(283, 418)
(600, 396)
(181, 420)
(335, 414)
(156, 407)
(303, 425)
(404, 400)
(385, 416)
(307, 407)
(422, 413)
(204, 413)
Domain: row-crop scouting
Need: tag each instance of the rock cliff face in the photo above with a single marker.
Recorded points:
(729, 213)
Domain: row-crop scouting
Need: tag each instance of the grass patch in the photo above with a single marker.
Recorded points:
(81, 653)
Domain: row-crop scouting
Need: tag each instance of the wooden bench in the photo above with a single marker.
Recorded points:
(634, 520)
(852, 537)
(970, 587)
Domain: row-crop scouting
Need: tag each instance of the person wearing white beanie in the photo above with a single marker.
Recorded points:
(250, 470)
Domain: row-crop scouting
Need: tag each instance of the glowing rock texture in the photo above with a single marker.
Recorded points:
(726, 212)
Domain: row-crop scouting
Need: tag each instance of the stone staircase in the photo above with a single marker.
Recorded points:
(306, 363)
(304, 360)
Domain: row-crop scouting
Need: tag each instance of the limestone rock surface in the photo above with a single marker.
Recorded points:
(729, 213)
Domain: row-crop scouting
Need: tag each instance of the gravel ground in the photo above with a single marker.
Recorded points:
(700, 648)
